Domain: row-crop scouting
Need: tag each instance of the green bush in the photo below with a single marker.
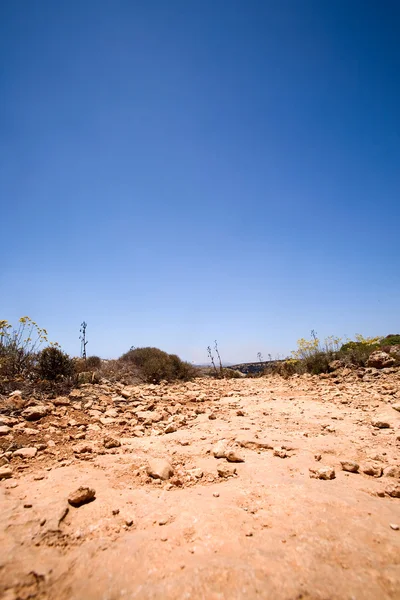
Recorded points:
(391, 340)
(54, 364)
(357, 353)
(154, 365)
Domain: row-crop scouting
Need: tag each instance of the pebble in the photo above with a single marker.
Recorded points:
(232, 456)
(82, 495)
(280, 452)
(26, 452)
(350, 466)
(34, 413)
(6, 472)
(159, 468)
(111, 442)
(220, 449)
(380, 423)
(394, 526)
(325, 473)
(372, 470)
(226, 471)
(392, 471)
(393, 491)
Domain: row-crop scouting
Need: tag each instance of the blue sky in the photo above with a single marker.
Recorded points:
(183, 171)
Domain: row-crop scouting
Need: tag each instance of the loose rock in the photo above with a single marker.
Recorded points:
(26, 452)
(380, 423)
(323, 473)
(226, 471)
(393, 491)
(372, 470)
(351, 467)
(158, 468)
(232, 456)
(34, 413)
(82, 495)
(6, 472)
(111, 442)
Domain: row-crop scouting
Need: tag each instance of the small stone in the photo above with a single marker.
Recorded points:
(226, 471)
(170, 428)
(380, 423)
(163, 521)
(280, 452)
(392, 471)
(27, 505)
(216, 495)
(212, 416)
(394, 526)
(220, 449)
(159, 468)
(372, 470)
(6, 472)
(393, 491)
(197, 473)
(317, 457)
(396, 406)
(82, 448)
(111, 442)
(129, 522)
(5, 430)
(115, 511)
(325, 473)
(351, 467)
(26, 452)
(239, 413)
(34, 413)
(232, 456)
(82, 495)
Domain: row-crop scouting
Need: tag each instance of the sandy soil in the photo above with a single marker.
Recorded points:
(266, 527)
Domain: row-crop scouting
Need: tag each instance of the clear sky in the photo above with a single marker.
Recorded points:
(179, 171)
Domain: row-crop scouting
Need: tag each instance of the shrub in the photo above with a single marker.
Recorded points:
(357, 352)
(19, 347)
(54, 364)
(154, 365)
(391, 340)
(93, 363)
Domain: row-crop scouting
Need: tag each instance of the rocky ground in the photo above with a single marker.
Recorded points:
(247, 488)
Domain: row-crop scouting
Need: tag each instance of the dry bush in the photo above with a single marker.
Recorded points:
(153, 365)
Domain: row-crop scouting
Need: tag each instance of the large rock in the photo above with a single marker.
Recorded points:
(159, 468)
(34, 413)
(4, 430)
(380, 360)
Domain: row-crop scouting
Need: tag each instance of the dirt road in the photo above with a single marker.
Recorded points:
(275, 517)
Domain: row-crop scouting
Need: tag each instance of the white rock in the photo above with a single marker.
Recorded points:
(323, 473)
(26, 452)
(159, 468)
